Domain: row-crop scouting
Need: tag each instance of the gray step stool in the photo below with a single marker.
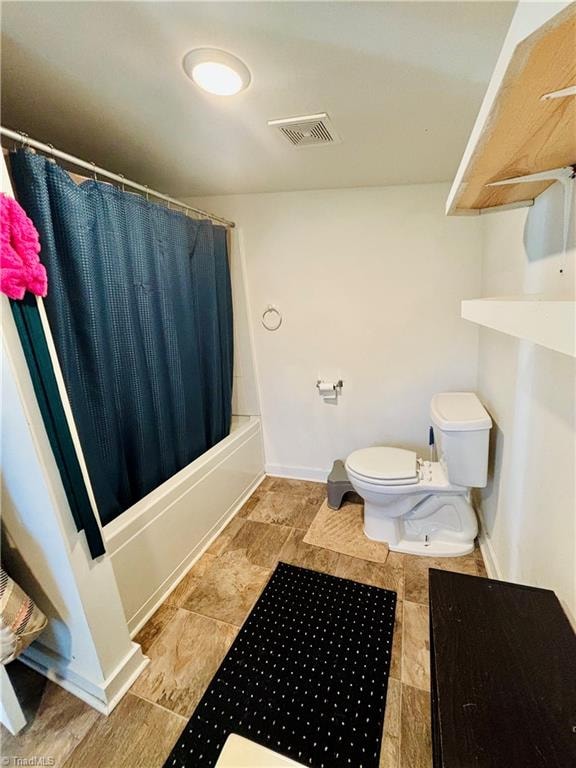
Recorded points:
(338, 484)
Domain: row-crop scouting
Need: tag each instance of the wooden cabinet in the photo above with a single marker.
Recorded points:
(503, 671)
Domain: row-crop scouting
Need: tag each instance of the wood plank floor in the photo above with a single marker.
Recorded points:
(189, 635)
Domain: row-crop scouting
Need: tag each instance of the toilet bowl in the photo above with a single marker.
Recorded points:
(422, 507)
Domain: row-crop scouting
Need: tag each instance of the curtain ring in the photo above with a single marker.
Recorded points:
(147, 192)
(24, 138)
(122, 182)
(93, 164)
(51, 148)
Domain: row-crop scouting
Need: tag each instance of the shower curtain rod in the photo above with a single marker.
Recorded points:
(48, 149)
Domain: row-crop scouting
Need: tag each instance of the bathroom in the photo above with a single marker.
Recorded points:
(335, 165)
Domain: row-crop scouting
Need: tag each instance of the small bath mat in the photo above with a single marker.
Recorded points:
(342, 530)
(306, 676)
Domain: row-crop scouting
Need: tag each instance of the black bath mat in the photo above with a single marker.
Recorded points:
(306, 676)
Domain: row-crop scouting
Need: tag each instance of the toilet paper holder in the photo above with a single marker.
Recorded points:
(336, 387)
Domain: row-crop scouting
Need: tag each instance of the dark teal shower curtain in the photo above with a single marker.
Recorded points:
(139, 304)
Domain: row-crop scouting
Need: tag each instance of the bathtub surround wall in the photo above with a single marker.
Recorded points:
(245, 394)
(529, 506)
(369, 283)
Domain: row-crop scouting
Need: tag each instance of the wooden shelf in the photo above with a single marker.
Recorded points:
(549, 323)
(517, 133)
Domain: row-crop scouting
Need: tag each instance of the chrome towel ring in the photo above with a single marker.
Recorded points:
(271, 318)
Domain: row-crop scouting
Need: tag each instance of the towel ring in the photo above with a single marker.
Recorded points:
(271, 318)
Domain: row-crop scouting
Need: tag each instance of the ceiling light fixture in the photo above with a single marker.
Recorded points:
(216, 71)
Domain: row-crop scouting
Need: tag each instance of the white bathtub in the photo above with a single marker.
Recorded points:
(154, 543)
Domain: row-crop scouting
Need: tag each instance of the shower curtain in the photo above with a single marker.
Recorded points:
(139, 305)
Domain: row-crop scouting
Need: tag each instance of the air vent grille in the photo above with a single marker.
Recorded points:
(308, 130)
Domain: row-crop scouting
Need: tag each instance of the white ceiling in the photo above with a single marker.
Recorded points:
(402, 82)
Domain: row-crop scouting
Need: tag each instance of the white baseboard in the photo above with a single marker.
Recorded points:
(102, 696)
(490, 560)
(297, 473)
(489, 556)
(159, 596)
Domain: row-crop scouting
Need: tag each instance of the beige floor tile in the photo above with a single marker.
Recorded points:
(390, 749)
(266, 484)
(249, 505)
(282, 509)
(56, 721)
(416, 646)
(415, 734)
(220, 544)
(307, 514)
(317, 494)
(388, 575)
(154, 626)
(183, 660)
(416, 573)
(178, 597)
(296, 552)
(229, 588)
(261, 542)
(366, 571)
(396, 662)
(313, 491)
(393, 573)
(137, 734)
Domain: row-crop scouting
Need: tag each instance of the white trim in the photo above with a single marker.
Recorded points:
(169, 584)
(489, 555)
(297, 473)
(101, 696)
(67, 408)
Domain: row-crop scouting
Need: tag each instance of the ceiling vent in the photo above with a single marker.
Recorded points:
(307, 130)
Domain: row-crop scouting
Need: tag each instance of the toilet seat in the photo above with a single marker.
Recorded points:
(384, 465)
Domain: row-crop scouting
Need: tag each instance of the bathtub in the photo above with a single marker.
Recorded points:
(155, 542)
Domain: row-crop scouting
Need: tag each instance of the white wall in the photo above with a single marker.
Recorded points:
(369, 283)
(529, 506)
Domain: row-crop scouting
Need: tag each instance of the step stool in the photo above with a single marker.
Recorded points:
(338, 484)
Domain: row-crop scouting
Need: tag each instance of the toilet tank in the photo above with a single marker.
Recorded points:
(461, 431)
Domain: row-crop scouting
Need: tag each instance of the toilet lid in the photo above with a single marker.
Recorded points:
(384, 463)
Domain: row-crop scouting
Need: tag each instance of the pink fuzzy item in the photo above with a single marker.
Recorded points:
(20, 267)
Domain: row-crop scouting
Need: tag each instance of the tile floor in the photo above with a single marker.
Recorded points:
(189, 635)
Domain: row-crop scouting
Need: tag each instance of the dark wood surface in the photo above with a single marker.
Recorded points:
(503, 673)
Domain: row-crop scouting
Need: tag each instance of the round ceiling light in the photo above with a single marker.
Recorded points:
(216, 71)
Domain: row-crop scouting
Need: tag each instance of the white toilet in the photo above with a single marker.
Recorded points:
(422, 507)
